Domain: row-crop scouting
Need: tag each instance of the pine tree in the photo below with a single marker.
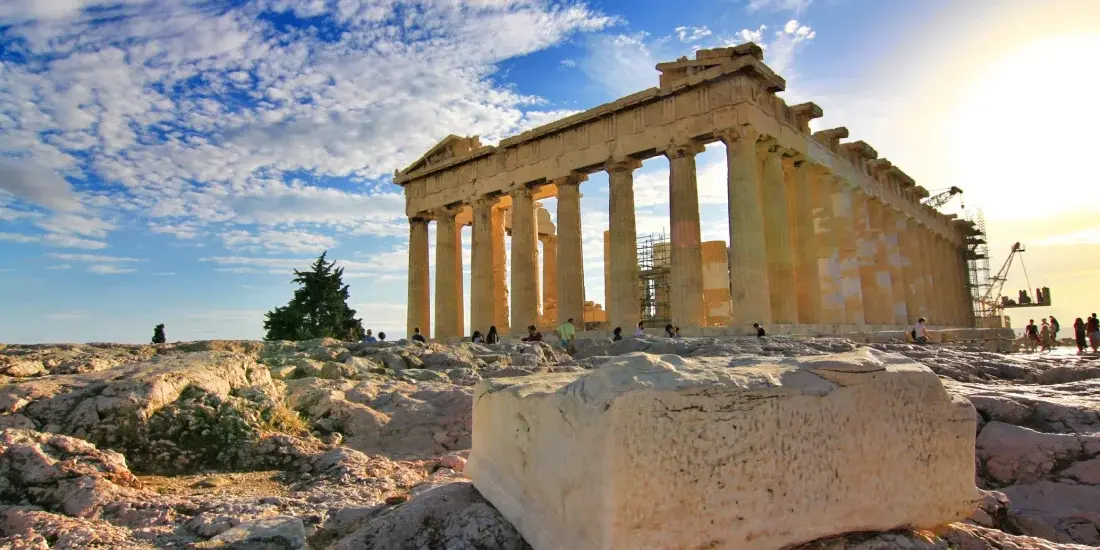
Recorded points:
(158, 334)
(318, 309)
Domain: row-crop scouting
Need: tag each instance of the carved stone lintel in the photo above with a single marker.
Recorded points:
(769, 147)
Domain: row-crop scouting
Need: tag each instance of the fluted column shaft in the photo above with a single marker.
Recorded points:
(482, 300)
(549, 279)
(686, 269)
(851, 284)
(931, 288)
(777, 236)
(750, 289)
(911, 265)
(500, 269)
(865, 244)
(570, 254)
(884, 281)
(419, 312)
(625, 306)
(800, 199)
(828, 255)
(446, 301)
(895, 225)
(525, 298)
(460, 296)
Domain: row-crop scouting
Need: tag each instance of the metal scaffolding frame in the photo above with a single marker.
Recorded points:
(978, 280)
(654, 259)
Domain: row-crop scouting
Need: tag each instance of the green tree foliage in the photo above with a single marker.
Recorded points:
(319, 307)
(158, 334)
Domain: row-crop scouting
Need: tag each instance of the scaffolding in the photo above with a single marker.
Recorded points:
(978, 283)
(654, 259)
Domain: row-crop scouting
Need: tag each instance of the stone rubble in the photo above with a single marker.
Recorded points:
(119, 447)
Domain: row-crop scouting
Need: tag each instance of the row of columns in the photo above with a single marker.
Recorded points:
(805, 248)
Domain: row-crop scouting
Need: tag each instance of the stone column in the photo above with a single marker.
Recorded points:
(851, 284)
(828, 255)
(570, 255)
(865, 246)
(419, 312)
(446, 302)
(460, 296)
(800, 199)
(884, 282)
(952, 259)
(482, 299)
(931, 287)
(777, 235)
(525, 298)
(625, 305)
(911, 266)
(750, 291)
(686, 269)
(500, 268)
(895, 225)
(550, 279)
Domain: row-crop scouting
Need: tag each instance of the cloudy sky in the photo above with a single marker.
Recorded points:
(171, 161)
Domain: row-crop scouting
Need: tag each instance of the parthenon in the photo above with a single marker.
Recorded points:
(821, 233)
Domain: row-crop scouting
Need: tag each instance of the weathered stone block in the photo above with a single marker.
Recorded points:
(666, 452)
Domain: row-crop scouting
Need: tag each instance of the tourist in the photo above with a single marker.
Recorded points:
(1093, 328)
(1054, 328)
(638, 331)
(476, 337)
(533, 335)
(381, 336)
(617, 334)
(417, 337)
(920, 332)
(1031, 333)
(759, 330)
(676, 332)
(1044, 337)
(492, 337)
(369, 338)
(668, 331)
(1079, 335)
(568, 335)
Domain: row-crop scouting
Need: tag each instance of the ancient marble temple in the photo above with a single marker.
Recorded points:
(821, 232)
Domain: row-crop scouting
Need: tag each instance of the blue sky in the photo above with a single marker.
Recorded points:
(171, 161)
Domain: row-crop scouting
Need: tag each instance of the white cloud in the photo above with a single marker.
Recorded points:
(1090, 235)
(797, 6)
(109, 269)
(18, 238)
(60, 267)
(692, 34)
(41, 186)
(567, 62)
(55, 240)
(91, 258)
(283, 241)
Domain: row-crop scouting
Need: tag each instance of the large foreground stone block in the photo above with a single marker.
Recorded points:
(748, 453)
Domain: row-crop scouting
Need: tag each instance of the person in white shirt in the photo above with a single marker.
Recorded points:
(638, 331)
(920, 332)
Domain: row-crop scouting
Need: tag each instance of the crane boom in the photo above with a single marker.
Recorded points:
(940, 199)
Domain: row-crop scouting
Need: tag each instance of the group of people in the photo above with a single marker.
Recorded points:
(1043, 337)
(1087, 331)
(370, 339)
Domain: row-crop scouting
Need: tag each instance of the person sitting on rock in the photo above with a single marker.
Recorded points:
(617, 334)
(639, 331)
(381, 336)
(492, 337)
(675, 332)
(668, 331)
(533, 335)
(369, 337)
(476, 337)
(759, 330)
(920, 331)
(417, 337)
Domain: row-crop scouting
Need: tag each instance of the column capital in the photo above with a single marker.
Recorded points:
(546, 238)
(769, 147)
(484, 202)
(622, 164)
(574, 178)
(445, 212)
(521, 191)
(420, 217)
(734, 134)
(683, 148)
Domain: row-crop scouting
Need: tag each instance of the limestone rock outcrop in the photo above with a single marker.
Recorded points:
(667, 452)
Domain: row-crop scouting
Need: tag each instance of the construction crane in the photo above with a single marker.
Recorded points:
(993, 302)
(941, 198)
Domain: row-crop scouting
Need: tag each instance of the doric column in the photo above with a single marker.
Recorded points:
(895, 225)
(500, 269)
(482, 300)
(952, 260)
(750, 291)
(525, 298)
(460, 296)
(570, 254)
(419, 312)
(625, 306)
(865, 246)
(851, 284)
(911, 266)
(686, 269)
(828, 255)
(800, 198)
(884, 282)
(550, 279)
(446, 302)
(777, 235)
(931, 287)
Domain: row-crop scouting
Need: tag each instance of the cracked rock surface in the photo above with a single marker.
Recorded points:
(330, 444)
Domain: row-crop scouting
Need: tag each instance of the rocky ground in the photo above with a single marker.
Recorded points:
(329, 444)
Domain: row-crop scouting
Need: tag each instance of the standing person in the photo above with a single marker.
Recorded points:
(1044, 337)
(759, 330)
(920, 331)
(533, 335)
(1055, 326)
(568, 334)
(492, 337)
(1031, 332)
(638, 331)
(1079, 335)
(417, 337)
(617, 334)
(1093, 328)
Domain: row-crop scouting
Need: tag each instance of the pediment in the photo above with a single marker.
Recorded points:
(448, 148)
